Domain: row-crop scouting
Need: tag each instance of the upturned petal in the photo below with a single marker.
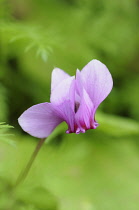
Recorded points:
(58, 75)
(79, 83)
(97, 81)
(63, 101)
(84, 118)
(39, 120)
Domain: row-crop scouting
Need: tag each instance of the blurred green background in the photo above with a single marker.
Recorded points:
(98, 170)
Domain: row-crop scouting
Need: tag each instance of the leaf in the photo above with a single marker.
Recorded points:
(42, 53)
(30, 36)
(4, 135)
(116, 125)
(38, 197)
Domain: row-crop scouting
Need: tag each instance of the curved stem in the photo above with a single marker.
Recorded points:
(25, 172)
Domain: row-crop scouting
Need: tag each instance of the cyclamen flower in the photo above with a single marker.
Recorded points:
(74, 99)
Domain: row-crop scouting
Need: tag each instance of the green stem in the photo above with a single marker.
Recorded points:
(23, 174)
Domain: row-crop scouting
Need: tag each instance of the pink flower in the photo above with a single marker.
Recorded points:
(73, 100)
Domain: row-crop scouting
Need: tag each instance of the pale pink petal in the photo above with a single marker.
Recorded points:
(58, 75)
(79, 82)
(39, 120)
(97, 81)
(63, 100)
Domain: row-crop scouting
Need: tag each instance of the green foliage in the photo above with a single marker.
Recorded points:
(37, 198)
(76, 173)
(4, 134)
(3, 103)
(5, 11)
(117, 126)
(95, 170)
(30, 36)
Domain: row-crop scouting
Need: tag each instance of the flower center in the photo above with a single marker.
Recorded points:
(77, 104)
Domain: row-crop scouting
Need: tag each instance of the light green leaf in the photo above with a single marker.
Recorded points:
(117, 125)
(4, 135)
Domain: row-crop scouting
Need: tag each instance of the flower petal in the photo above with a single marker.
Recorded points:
(58, 76)
(97, 81)
(79, 82)
(63, 100)
(85, 114)
(39, 120)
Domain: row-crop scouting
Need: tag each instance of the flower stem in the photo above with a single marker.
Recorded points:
(24, 173)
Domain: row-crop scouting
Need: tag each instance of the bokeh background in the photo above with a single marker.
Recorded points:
(98, 170)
